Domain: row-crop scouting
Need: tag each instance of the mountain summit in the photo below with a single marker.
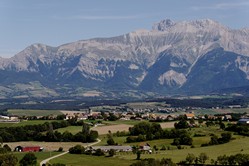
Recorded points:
(185, 57)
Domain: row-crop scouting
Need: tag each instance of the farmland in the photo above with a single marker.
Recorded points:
(30, 112)
(24, 123)
(152, 113)
(48, 146)
(239, 144)
(112, 126)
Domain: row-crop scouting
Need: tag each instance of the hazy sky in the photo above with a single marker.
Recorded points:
(55, 22)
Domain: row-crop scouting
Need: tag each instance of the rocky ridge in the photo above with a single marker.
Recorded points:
(162, 60)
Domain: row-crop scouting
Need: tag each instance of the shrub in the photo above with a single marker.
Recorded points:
(77, 149)
(203, 158)
(112, 152)
(99, 152)
(28, 159)
(60, 149)
(7, 148)
(163, 148)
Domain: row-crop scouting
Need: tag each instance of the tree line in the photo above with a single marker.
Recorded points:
(45, 132)
(239, 129)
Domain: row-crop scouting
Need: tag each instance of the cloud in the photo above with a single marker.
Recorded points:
(222, 6)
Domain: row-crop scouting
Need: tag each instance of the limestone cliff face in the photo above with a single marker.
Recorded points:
(172, 57)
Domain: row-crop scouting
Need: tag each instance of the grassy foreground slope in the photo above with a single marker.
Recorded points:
(238, 145)
(79, 160)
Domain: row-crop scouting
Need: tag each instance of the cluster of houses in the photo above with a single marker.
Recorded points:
(156, 113)
(143, 116)
(9, 119)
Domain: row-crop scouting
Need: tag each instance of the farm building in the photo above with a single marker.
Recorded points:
(243, 121)
(29, 149)
(190, 115)
(144, 146)
(116, 148)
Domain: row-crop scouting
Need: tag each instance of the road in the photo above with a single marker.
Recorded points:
(61, 154)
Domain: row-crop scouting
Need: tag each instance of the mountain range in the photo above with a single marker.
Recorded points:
(185, 57)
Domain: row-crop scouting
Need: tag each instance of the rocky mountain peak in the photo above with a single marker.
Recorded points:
(203, 24)
(163, 25)
(173, 57)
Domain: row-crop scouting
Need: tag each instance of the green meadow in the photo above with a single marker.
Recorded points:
(239, 145)
(79, 160)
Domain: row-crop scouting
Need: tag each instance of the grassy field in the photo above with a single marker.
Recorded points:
(79, 160)
(27, 112)
(71, 129)
(197, 141)
(239, 145)
(40, 155)
(118, 140)
(24, 123)
(220, 111)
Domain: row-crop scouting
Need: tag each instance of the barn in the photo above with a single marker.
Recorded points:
(28, 149)
(243, 121)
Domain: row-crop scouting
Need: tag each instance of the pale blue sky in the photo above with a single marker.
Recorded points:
(55, 22)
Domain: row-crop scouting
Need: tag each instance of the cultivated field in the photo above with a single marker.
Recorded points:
(27, 112)
(220, 111)
(113, 128)
(71, 112)
(48, 146)
(167, 125)
(24, 123)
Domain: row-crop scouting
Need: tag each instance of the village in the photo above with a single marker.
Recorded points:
(162, 113)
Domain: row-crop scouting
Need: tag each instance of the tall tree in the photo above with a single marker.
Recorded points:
(110, 140)
(85, 129)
